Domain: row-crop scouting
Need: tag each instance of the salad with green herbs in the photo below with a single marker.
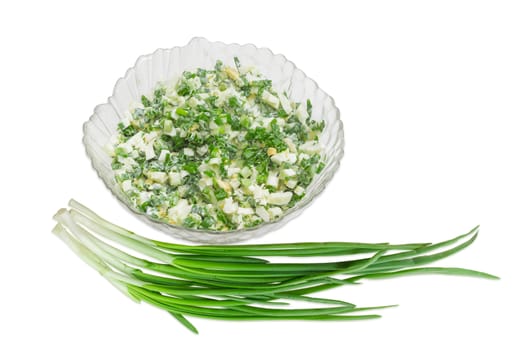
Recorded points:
(218, 150)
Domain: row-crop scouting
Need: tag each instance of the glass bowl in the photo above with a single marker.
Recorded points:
(165, 65)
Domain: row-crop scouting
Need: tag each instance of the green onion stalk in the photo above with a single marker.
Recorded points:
(242, 282)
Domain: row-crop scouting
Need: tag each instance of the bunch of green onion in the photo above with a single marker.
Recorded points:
(236, 282)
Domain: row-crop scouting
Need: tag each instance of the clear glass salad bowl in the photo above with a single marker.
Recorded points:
(165, 65)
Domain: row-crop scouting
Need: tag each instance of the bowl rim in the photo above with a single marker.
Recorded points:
(231, 235)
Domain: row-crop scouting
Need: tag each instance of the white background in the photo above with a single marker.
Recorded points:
(433, 97)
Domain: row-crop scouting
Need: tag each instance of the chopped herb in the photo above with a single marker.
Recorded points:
(145, 101)
(209, 173)
(233, 102)
(237, 63)
(191, 167)
(121, 152)
(184, 90)
(182, 112)
(220, 194)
